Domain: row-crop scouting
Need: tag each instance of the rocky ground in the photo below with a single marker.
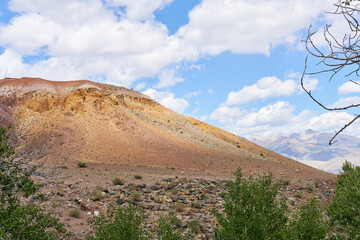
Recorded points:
(190, 198)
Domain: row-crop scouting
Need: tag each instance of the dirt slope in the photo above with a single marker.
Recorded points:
(104, 124)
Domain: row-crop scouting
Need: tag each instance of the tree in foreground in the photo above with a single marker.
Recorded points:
(19, 218)
(309, 223)
(252, 210)
(344, 210)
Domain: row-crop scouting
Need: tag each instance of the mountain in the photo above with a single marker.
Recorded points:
(104, 124)
(312, 148)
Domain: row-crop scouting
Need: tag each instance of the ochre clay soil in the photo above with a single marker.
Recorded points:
(105, 125)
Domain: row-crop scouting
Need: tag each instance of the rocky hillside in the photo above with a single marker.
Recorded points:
(104, 124)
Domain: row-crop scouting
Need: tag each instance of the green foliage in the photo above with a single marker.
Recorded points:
(194, 225)
(5, 149)
(76, 213)
(344, 210)
(164, 230)
(309, 223)
(21, 220)
(27, 221)
(82, 164)
(118, 224)
(118, 181)
(252, 210)
(137, 176)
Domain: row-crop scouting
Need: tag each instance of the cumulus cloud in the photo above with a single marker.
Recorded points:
(349, 87)
(343, 102)
(193, 94)
(280, 118)
(265, 88)
(168, 100)
(139, 9)
(77, 43)
(274, 115)
(121, 41)
(247, 26)
(167, 78)
(227, 115)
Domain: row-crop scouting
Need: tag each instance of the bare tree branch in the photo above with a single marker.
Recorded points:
(341, 56)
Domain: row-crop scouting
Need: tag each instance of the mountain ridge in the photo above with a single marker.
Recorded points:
(312, 148)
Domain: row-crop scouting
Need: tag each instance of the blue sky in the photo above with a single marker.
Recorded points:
(235, 64)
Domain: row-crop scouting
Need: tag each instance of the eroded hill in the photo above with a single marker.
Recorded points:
(98, 123)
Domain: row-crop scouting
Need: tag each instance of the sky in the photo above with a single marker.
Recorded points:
(235, 64)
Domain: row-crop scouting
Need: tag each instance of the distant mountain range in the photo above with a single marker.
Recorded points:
(311, 147)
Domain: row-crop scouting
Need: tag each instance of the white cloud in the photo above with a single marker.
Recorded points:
(168, 100)
(140, 86)
(247, 26)
(227, 115)
(193, 94)
(346, 102)
(121, 40)
(279, 118)
(265, 88)
(310, 84)
(203, 118)
(167, 78)
(140, 9)
(274, 115)
(210, 91)
(349, 87)
(80, 44)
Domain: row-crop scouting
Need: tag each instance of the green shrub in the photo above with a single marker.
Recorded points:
(164, 230)
(136, 196)
(194, 225)
(118, 181)
(197, 204)
(137, 176)
(173, 191)
(180, 207)
(309, 223)
(119, 223)
(98, 194)
(252, 210)
(344, 210)
(76, 213)
(82, 165)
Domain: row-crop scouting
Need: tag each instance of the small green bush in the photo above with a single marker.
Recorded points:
(180, 207)
(98, 194)
(82, 165)
(194, 225)
(75, 213)
(119, 223)
(137, 176)
(136, 196)
(164, 230)
(118, 181)
(197, 204)
(173, 191)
